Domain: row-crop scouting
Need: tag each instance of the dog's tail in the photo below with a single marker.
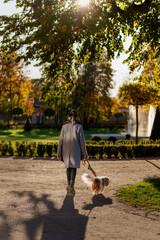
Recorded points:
(87, 179)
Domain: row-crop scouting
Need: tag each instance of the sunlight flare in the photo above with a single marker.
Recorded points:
(83, 2)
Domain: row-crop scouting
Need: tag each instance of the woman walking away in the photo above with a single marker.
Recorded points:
(71, 148)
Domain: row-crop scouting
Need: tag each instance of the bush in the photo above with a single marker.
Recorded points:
(4, 149)
(112, 139)
(96, 138)
(92, 150)
(2, 124)
(128, 136)
(55, 147)
(115, 151)
(10, 149)
(31, 148)
(27, 126)
(49, 149)
(108, 151)
(139, 151)
(41, 150)
(123, 151)
(22, 148)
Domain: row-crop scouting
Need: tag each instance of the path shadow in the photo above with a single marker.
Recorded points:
(98, 201)
(46, 221)
(153, 164)
(4, 226)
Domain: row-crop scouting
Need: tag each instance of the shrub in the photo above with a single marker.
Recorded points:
(27, 126)
(96, 138)
(128, 136)
(31, 148)
(22, 148)
(49, 149)
(139, 151)
(115, 151)
(129, 151)
(41, 150)
(92, 150)
(100, 150)
(2, 124)
(108, 151)
(55, 147)
(112, 139)
(49, 112)
(4, 149)
(10, 149)
(123, 151)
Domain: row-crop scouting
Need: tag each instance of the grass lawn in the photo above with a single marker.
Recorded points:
(44, 135)
(145, 195)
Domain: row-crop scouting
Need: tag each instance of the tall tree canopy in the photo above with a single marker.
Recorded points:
(92, 90)
(56, 32)
(15, 88)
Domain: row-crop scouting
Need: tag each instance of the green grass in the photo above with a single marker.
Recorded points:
(35, 135)
(45, 135)
(145, 195)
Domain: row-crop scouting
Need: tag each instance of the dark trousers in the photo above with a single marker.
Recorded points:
(71, 175)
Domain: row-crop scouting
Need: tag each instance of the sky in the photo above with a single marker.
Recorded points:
(121, 70)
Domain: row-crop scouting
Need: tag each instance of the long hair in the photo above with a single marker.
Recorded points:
(73, 116)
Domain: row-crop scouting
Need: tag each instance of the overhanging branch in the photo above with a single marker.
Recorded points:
(140, 8)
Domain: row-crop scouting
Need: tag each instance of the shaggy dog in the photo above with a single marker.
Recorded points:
(97, 184)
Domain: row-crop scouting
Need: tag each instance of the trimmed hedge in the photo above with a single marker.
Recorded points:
(94, 149)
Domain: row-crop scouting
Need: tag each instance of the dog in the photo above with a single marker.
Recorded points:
(97, 184)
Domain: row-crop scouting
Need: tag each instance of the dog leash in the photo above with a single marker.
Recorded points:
(90, 168)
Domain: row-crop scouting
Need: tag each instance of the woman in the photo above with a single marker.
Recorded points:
(71, 148)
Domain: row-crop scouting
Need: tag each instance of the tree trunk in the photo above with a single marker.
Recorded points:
(137, 124)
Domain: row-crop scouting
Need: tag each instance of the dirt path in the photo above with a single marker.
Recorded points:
(34, 204)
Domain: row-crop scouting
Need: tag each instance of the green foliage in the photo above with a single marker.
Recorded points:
(145, 195)
(128, 136)
(137, 94)
(50, 29)
(22, 148)
(96, 139)
(94, 149)
(49, 112)
(112, 139)
(49, 149)
(2, 124)
(31, 148)
(17, 111)
(41, 149)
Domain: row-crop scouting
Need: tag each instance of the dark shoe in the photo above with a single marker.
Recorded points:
(72, 191)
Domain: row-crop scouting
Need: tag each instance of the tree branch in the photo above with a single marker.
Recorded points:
(141, 8)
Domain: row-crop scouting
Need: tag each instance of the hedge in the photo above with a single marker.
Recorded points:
(94, 149)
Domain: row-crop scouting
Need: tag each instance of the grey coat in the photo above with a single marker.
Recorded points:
(71, 144)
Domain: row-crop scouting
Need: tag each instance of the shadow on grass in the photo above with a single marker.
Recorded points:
(154, 181)
(45, 221)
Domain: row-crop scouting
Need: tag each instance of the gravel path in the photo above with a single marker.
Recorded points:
(34, 204)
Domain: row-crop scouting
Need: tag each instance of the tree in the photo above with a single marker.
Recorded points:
(49, 112)
(137, 94)
(118, 115)
(57, 32)
(91, 95)
(15, 88)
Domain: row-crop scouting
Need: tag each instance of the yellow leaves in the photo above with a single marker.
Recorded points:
(64, 28)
